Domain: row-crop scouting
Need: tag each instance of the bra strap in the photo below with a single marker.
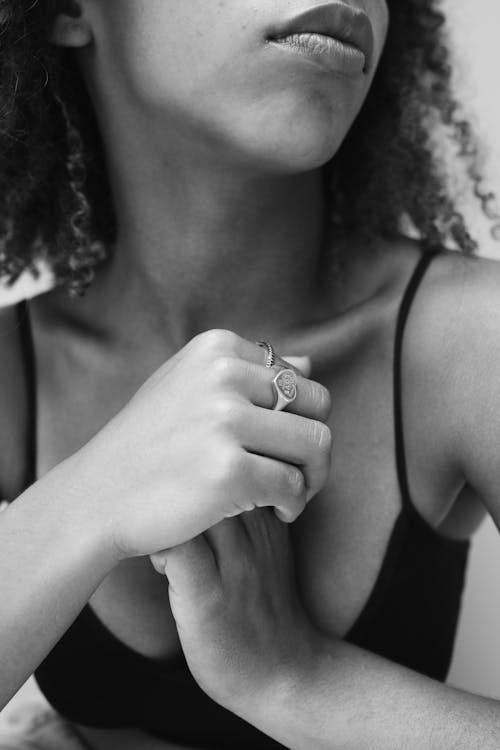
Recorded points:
(404, 310)
(28, 353)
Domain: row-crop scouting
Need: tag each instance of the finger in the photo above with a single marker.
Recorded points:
(258, 356)
(253, 352)
(304, 443)
(286, 515)
(228, 542)
(280, 363)
(271, 483)
(312, 399)
(255, 383)
(217, 343)
(267, 536)
(190, 567)
(159, 560)
(271, 548)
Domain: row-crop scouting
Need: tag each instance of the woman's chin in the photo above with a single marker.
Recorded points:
(293, 142)
(289, 156)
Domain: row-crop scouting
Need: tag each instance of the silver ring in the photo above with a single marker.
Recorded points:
(285, 385)
(271, 356)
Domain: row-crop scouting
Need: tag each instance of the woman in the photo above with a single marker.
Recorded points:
(201, 177)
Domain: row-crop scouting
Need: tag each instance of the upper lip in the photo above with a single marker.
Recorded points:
(338, 20)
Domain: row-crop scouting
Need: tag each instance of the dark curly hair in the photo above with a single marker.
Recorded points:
(55, 200)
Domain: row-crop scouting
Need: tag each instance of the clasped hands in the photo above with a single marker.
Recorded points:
(241, 624)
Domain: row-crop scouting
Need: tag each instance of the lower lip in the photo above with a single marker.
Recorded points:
(334, 55)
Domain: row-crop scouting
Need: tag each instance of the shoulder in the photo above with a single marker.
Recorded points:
(13, 403)
(455, 317)
(452, 359)
(456, 306)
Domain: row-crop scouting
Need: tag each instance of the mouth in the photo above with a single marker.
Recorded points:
(348, 26)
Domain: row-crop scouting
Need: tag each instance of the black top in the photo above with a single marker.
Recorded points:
(411, 616)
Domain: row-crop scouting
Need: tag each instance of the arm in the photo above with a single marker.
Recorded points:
(311, 691)
(351, 695)
(52, 560)
(252, 649)
(162, 470)
(344, 697)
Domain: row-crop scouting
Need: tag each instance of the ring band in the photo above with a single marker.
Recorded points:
(285, 385)
(271, 356)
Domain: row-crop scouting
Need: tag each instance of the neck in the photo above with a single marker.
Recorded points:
(216, 249)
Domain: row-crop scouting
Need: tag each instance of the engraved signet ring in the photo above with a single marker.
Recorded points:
(285, 385)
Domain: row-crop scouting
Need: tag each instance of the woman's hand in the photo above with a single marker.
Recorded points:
(233, 596)
(252, 649)
(198, 443)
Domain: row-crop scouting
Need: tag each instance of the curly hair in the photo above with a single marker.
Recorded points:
(55, 199)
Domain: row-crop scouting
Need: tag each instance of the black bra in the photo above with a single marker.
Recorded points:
(411, 616)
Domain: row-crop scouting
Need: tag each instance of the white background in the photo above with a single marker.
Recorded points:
(475, 27)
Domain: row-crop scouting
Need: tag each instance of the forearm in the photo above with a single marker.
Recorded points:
(346, 698)
(50, 563)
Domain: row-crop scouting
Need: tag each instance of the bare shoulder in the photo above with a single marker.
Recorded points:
(13, 405)
(457, 305)
(455, 319)
(452, 360)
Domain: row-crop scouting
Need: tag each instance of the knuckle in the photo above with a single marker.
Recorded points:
(229, 465)
(216, 341)
(227, 412)
(223, 369)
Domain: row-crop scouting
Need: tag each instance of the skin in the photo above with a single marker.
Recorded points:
(271, 665)
(217, 106)
(200, 118)
(236, 133)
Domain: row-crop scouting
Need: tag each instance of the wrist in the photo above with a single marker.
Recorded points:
(285, 707)
(69, 514)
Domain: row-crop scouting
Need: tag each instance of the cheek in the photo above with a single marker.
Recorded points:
(156, 49)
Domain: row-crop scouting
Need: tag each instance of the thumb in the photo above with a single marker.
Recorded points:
(194, 582)
(190, 567)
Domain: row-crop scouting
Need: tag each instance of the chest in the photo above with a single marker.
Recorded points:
(339, 542)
